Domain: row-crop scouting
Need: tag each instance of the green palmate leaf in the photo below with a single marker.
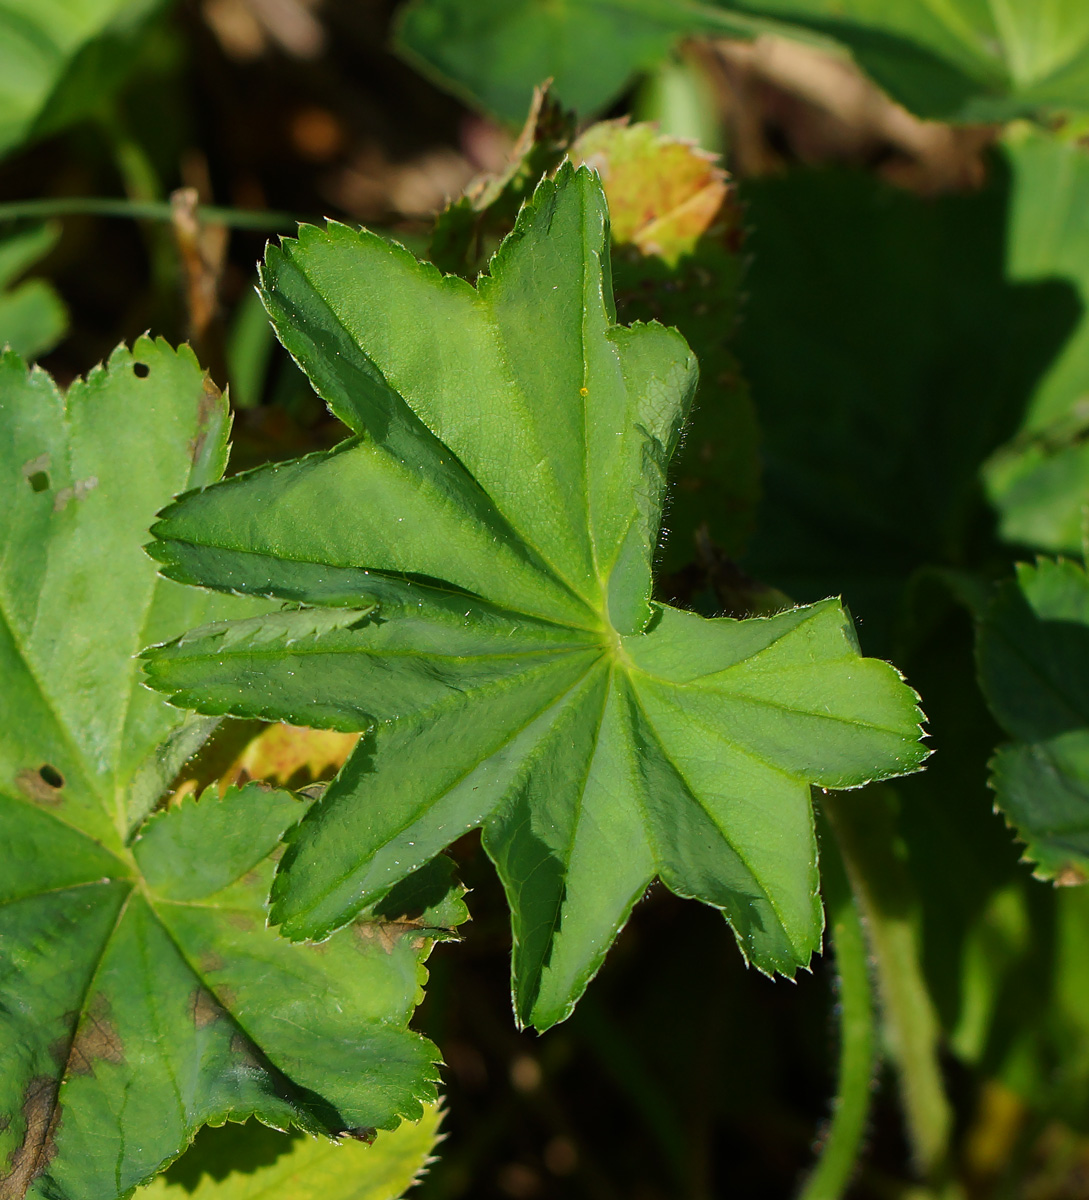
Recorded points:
(57, 63)
(495, 52)
(1039, 481)
(957, 59)
(675, 259)
(32, 316)
(480, 554)
(1033, 652)
(252, 1163)
(143, 993)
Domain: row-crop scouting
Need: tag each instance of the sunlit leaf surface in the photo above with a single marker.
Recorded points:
(476, 568)
(252, 1162)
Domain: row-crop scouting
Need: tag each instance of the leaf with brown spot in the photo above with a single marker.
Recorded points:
(136, 956)
(96, 1040)
(37, 1149)
(33, 784)
(205, 1008)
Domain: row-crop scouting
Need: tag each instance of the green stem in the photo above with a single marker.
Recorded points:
(865, 828)
(857, 1049)
(153, 210)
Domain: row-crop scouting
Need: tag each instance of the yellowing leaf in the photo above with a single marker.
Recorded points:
(282, 752)
(664, 194)
(313, 1168)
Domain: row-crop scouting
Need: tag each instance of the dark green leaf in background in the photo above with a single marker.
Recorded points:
(895, 346)
(481, 553)
(143, 994)
(493, 53)
(889, 354)
(959, 60)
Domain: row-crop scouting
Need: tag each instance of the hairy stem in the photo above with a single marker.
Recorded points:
(865, 829)
(857, 1047)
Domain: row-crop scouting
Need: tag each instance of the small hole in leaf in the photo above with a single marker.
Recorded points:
(39, 481)
(141, 370)
(51, 776)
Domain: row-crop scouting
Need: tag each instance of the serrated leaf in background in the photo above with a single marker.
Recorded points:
(960, 60)
(33, 318)
(1039, 481)
(144, 994)
(1033, 651)
(676, 234)
(486, 539)
(218, 1166)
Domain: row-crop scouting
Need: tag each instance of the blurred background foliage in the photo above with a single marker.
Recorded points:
(887, 292)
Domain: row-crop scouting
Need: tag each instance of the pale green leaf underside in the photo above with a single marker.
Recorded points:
(482, 551)
(143, 993)
(1033, 652)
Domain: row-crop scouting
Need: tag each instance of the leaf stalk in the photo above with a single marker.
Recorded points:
(843, 1140)
(864, 827)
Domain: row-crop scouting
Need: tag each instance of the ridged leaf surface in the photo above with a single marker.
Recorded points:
(476, 568)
